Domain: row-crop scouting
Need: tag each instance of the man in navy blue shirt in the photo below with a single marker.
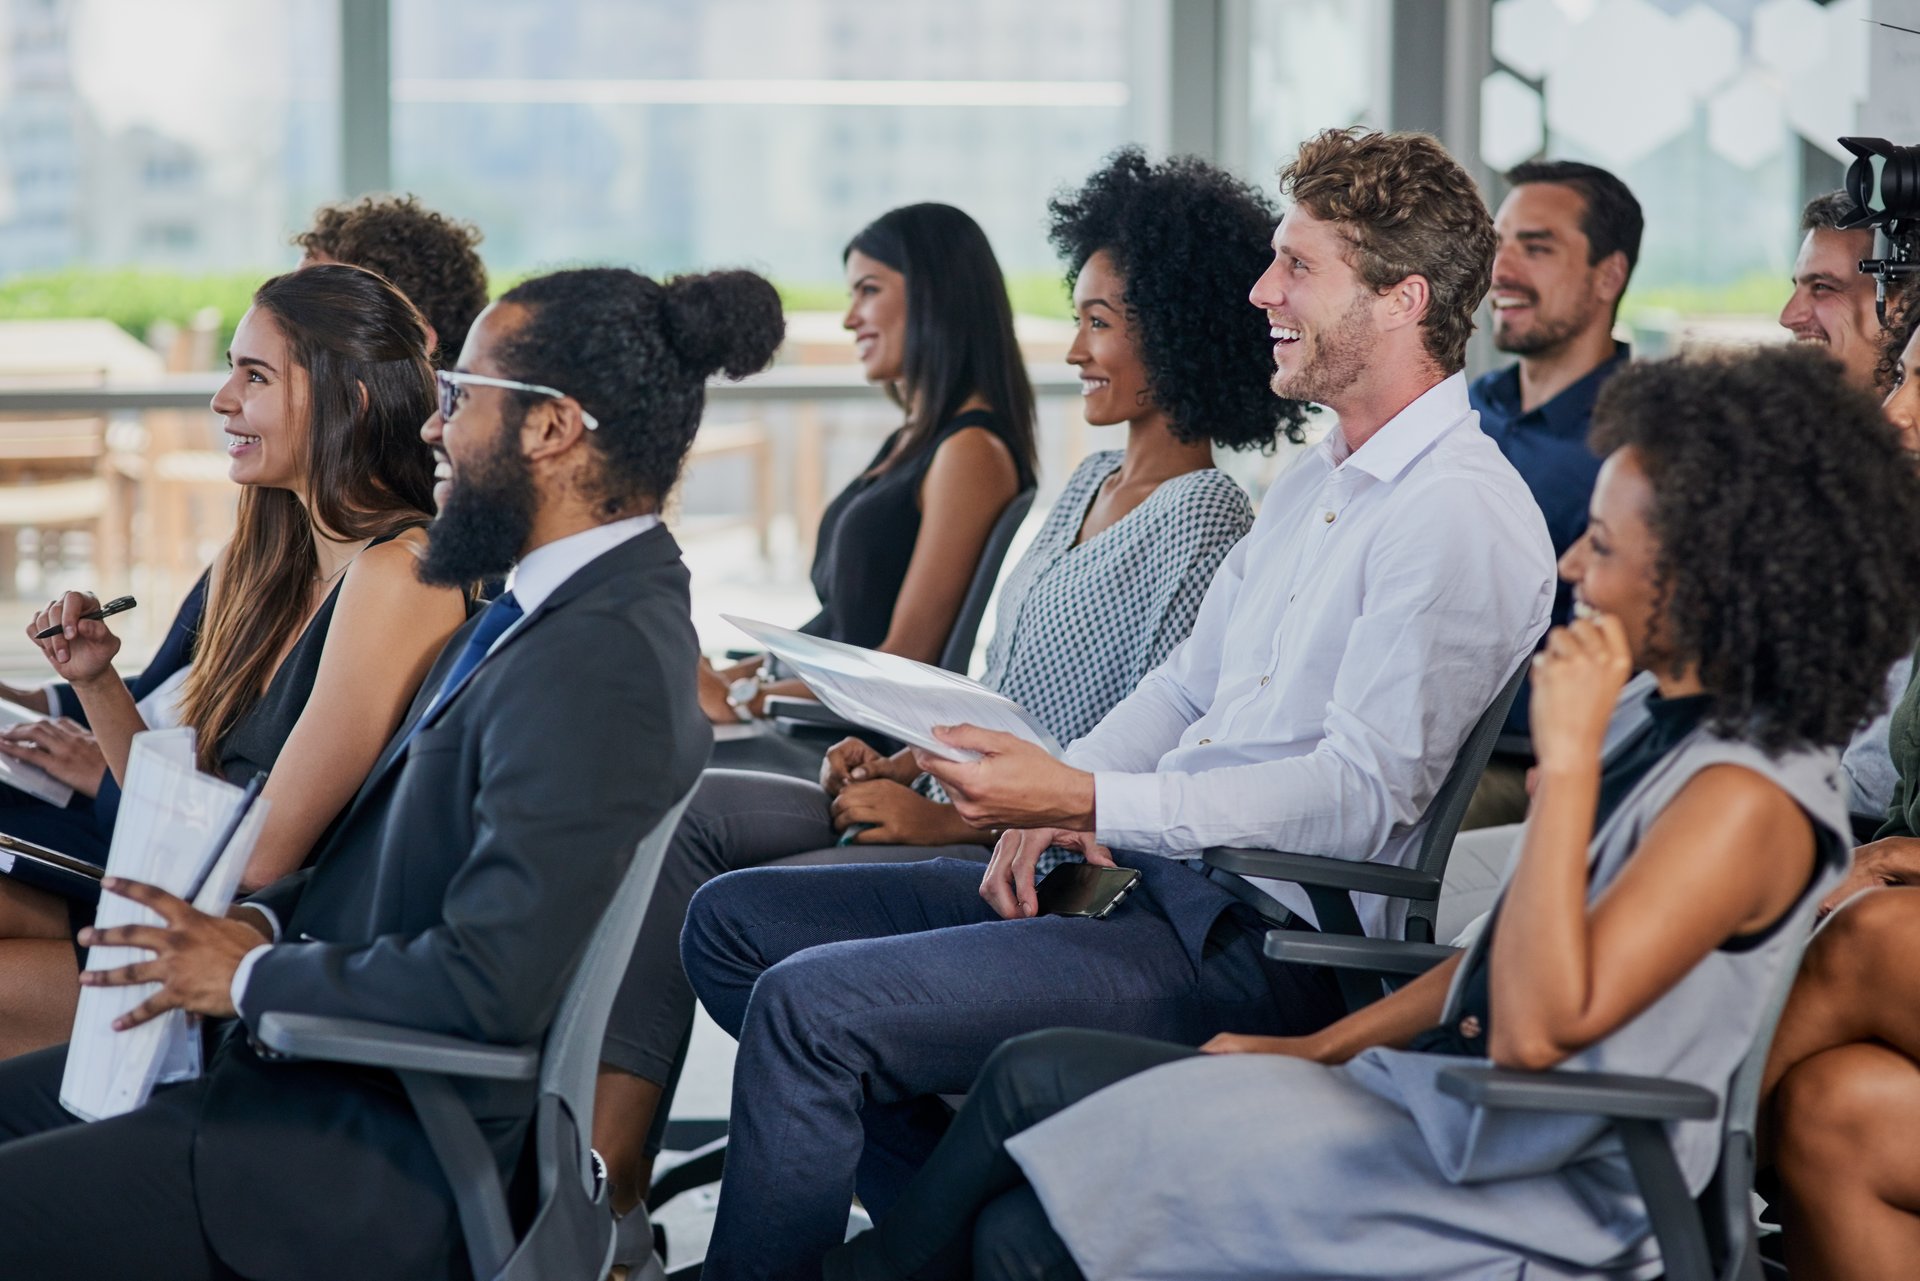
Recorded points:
(1569, 236)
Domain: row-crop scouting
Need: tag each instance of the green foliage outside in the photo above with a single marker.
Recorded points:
(135, 299)
(132, 298)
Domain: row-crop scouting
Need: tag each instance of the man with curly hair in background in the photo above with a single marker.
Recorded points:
(1395, 577)
(429, 257)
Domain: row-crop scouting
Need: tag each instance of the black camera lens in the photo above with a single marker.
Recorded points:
(1884, 181)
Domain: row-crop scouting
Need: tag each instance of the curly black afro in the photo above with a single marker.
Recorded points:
(1189, 240)
(1789, 524)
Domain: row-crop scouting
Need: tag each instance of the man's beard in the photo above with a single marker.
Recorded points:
(487, 519)
(1339, 358)
(1546, 333)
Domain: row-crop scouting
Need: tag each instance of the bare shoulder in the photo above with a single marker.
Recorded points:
(1741, 795)
(976, 455)
(1728, 810)
(384, 581)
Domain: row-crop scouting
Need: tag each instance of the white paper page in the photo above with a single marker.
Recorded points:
(30, 779)
(169, 817)
(894, 695)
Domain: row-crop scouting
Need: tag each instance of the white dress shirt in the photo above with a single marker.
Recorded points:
(538, 574)
(1340, 657)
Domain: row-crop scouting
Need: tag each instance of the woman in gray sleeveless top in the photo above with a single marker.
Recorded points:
(1658, 895)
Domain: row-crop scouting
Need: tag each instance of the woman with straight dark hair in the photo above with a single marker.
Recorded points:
(897, 548)
(323, 408)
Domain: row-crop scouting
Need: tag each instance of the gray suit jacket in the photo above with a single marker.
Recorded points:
(456, 895)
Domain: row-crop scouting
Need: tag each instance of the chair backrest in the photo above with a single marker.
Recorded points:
(957, 656)
(1726, 1204)
(1449, 804)
(572, 1203)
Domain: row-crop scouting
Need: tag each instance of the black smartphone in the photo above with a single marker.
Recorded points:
(1084, 889)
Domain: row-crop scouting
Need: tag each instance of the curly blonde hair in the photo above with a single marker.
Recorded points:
(1407, 208)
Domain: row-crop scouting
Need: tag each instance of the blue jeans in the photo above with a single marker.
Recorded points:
(859, 993)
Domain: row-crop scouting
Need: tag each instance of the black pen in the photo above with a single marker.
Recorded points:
(118, 605)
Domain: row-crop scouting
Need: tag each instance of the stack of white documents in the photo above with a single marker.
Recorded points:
(174, 830)
(893, 695)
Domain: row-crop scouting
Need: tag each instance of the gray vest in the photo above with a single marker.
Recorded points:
(1698, 1032)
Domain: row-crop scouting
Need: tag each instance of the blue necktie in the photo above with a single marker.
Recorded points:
(494, 622)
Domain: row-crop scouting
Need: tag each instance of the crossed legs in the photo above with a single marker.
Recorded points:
(1842, 1095)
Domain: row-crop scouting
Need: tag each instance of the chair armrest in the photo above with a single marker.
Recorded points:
(804, 711)
(1608, 1094)
(1511, 744)
(1332, 873)
(312, 1036)
(1342, 952)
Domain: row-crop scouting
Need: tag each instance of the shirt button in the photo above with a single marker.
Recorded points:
(1205, 741)
(1329, 518)
(1264, 679)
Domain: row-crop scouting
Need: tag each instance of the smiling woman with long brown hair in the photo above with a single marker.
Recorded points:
(317, 631)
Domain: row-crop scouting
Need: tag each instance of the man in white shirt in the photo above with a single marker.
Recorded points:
(1394, 580)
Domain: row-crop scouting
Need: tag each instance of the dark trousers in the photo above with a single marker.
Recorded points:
(970, 1212)
(736, 819)
(859, 993)
(110, 1198)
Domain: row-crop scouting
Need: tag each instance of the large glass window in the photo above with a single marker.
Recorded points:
(654, 132)
(188, 135)
(1311, 65)
(1727, 122)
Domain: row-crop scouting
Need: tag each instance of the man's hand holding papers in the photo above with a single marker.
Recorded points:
(194, 955)
(1014, 783)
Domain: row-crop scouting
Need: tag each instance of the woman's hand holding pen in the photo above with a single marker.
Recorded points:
(84, 649)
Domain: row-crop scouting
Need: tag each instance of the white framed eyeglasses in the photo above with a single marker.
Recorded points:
(453, 383)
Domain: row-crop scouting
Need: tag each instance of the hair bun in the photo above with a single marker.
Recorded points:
(724, 322)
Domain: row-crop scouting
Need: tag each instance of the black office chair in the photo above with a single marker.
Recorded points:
(571, 1234)
(1330, 883)
(816, 720)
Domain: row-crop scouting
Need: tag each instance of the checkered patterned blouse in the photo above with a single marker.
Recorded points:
(1079, 626)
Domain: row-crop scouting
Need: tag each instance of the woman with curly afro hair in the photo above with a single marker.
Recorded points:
(1159, 258)
(1754, 543)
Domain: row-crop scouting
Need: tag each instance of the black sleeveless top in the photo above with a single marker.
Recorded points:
(868, 532)
(254, 742)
